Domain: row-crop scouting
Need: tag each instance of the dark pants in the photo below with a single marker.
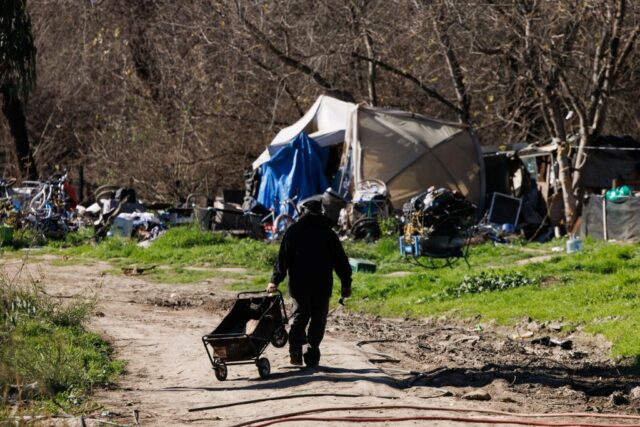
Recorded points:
(305, 309)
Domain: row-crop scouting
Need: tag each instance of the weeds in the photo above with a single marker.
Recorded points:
(488, 282)
(46, 355)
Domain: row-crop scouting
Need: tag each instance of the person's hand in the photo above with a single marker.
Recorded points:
(346, 292)
(272, 287)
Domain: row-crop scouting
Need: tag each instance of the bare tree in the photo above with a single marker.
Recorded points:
(17, 77)
(551, 48)
(181, 96)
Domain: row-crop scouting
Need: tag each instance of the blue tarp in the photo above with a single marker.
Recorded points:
(297, 170)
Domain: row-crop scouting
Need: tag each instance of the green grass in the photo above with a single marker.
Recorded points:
(583, 289)
(580, 289)
(180, 247)
(48, 360)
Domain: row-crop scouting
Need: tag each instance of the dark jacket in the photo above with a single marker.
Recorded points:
(309, 252)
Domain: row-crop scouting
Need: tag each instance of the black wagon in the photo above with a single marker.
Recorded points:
(255, 320)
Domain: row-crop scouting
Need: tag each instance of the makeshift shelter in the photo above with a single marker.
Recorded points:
(408, 152)
(325, 123)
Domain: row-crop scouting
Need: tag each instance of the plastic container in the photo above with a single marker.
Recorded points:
(574, 244)
(122, 227)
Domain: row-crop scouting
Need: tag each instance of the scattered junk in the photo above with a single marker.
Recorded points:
(574, 244)
(121, 214)
(44, 207)
(361, 217)
(551, 342)
(439, 224)
(504, 210)
(255, 320)
(517, 203)
(136, 270)
(139, 225)
(611, 163)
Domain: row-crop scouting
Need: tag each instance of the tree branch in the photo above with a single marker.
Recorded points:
(428, 90)
(261, 38)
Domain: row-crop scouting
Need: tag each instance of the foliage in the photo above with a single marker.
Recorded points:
(45, 352)
(489, 281)
(389, 226)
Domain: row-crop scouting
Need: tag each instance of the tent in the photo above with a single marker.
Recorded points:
(408, 152)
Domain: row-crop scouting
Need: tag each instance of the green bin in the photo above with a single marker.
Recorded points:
(362, 265)
(6, 235)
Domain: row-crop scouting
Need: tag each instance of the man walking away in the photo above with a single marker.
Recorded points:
(310, 251)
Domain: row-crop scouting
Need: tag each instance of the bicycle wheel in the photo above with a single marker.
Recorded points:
(281, 224)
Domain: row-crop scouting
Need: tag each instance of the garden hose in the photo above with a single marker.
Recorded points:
(302, 416)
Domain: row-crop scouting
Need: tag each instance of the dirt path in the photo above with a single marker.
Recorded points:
(157, 328)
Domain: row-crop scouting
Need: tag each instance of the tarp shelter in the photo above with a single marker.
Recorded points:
(325, 122)
(296, 170)
(619, 221)
(408, 152)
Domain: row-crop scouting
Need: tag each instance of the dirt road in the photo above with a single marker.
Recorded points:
(157, 329)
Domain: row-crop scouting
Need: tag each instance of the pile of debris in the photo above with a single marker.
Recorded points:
(47, 207)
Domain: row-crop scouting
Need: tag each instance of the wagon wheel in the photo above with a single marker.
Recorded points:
(264, 367)
(280, 337)
(365, 228)
(221, 371)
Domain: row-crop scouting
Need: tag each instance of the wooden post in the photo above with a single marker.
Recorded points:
(604, 218)
(81, 183)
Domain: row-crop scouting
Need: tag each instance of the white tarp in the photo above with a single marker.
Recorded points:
(325, 122)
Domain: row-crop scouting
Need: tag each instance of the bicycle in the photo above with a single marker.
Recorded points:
(48, 213)
(276, 225)
(8, 211)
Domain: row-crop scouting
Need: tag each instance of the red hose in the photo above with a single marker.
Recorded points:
(441, 418)
(448, 409)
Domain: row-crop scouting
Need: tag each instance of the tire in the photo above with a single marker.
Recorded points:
(264, 367)
(280, 337)
(365, 228)
(221, 371)
(281, 223)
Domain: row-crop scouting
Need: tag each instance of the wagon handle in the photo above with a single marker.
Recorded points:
(258, 292)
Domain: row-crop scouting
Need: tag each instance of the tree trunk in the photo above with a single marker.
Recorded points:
(373, 96)
(14, 112)
(566, 181)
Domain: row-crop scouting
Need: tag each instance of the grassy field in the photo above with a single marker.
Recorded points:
(48, 361)
(596, 290)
